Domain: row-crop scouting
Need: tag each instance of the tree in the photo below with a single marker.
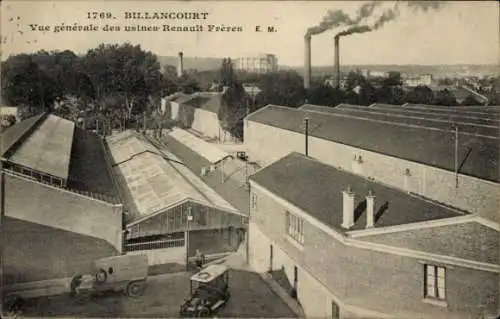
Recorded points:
(420, 95)
(123, 70)
(446, 98)
(233, 109)
(324, 95)
(281, 88)
(227, 76)
(367, 94)
(393, 79)
(470, 100)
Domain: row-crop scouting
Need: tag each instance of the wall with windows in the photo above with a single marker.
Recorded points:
(361, 277)
(267, 144)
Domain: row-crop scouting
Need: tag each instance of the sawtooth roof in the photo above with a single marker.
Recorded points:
(470, 125)
(427, 145)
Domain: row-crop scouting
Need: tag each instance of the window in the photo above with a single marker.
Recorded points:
(435, 282)
(335, 311)
(295, 227)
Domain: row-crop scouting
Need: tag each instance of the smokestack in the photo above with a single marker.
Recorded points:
(370, 209)
(348, 208)
(180, 65)
(336, 71)
(307, 61)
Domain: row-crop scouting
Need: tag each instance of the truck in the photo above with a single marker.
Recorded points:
(123, 273)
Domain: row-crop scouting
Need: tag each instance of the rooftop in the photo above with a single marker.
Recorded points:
(48, 149)
(317, 189)
(471, 240)
(465, 125)
(14, 134)
(89, 169)
(208, 101)
(156, 180)
(234, 192)
(431, 146)
(206, 150)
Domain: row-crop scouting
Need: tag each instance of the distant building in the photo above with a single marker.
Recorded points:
(262, 63)
(416, 80)
(200, 112)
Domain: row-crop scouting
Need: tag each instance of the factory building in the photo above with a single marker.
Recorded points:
(170, 212)
(416, 151)
(200, 112)
(349, 247)
(60, 205)
(260, 63)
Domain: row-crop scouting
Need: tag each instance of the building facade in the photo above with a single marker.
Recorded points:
(340, 263)
(61, 207)
(261, 64)
(415, 158)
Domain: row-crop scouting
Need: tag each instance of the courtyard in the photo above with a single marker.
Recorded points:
(250, 297)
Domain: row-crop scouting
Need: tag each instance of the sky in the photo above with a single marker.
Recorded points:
(465, 32)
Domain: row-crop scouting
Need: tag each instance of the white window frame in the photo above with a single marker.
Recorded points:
(435, 282)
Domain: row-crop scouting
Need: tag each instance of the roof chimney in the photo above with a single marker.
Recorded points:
(370, 209)
(348, 208)
(180, 65)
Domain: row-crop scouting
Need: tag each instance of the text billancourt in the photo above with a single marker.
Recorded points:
(172, 15)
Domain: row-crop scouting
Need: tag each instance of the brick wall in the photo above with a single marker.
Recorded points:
(360, 277)
(45, 205)
(267, 144)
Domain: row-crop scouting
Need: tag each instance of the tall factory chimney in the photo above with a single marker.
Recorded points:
(336, 71)
(180, 65)
(307, 61)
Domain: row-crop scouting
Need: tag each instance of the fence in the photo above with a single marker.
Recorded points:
(156, 244)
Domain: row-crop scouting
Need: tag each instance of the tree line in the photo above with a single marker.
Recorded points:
(119, 83)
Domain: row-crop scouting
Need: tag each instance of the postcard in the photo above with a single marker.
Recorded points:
(249, 159)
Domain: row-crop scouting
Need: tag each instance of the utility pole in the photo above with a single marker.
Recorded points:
(306, 122)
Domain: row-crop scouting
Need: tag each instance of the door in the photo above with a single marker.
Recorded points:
(270, 258)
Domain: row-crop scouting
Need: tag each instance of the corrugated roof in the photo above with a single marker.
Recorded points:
(428, 146)
(48, 148)
(16, 132)
(470, 240)
(208, 151)
(464, 125)
(156, 180)
(317, 188)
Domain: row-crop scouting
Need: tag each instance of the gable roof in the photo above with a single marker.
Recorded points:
(48, 148)
(317, 188)
(15, 134)
(427, 145)
(210, 152)
(156, 180)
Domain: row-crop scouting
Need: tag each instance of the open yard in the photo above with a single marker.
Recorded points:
(250, 297)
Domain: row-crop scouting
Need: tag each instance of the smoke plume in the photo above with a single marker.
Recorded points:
(338, 18)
